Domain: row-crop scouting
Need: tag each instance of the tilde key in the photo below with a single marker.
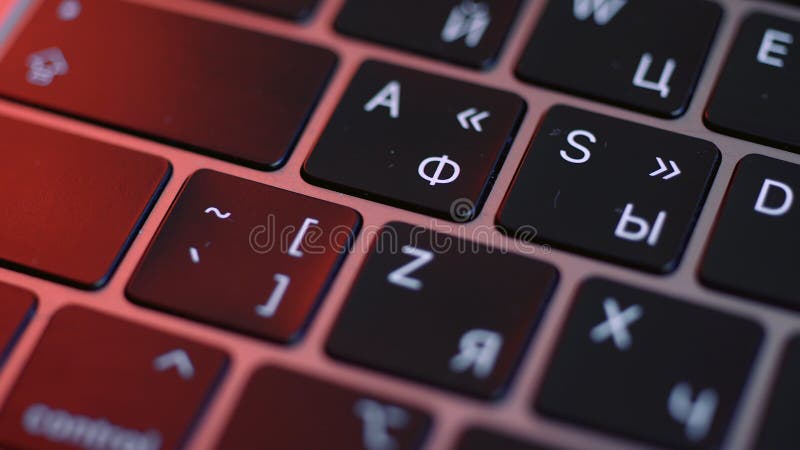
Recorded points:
(610, 188)
(243, 255)
(416, 140)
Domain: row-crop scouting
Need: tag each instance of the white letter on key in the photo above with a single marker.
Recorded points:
(641, 229)
(378, 419)
(662, 85)
(761, 203)
(477, 349)
(294, 249)
(388, 97)
(697, 415)
(571, 139)
(769, 47)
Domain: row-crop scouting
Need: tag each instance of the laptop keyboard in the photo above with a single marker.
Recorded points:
(386, 225)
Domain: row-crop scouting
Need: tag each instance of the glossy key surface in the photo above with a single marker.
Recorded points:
(462, 31)
(645, 55)
(442, 310)
(290, 9)
(483, 439)
(243, 255)
(416, 140)
(756, 96)
(649, 366)
(95, 381)
(779, 422)
(234, 93)
(610, 188)
(753, 246)
(284, 409)
(71, 205)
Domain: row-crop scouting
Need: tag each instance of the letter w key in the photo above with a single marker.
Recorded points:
(602, 10)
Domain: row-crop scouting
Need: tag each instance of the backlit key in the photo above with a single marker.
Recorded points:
(97, 382)
(282, 409)
(244, 255)
(234, 93)
(16, 307)
(71, 205)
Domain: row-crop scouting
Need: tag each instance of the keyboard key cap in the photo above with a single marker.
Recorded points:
(290, 9)
(283, 409)
(99, 382)
(639, 363)
(610, 188)
(480, 439)
(780, 421)
(757, 96)
(416, 140)
(641, 55)
(71, 205)
(245, 256)
(441, 310)
(753, 248)
(465, 32)
(16, 308)
(227, 91)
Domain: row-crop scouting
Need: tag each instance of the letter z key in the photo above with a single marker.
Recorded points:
(610, 188)
(411, 314)
(416, 141)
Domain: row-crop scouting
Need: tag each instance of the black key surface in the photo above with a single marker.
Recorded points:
(416, 140)
(245, 256)
(643, 364)
(283, 409)
(610, 188)
(779, 429)
(222, 90)
(482, 439)
(641, 55)
(757, 96)
(753, 247)
(467, 32)
(290, 9)
(442, 310)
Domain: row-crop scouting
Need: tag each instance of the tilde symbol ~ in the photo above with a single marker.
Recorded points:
(440, 163)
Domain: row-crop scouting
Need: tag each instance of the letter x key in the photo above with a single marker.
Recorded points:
(616, 324)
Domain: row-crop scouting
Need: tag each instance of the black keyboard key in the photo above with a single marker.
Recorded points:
(71, 205)
(610, 188)
(642, 55)
(480, 439)
(417, 140)
(282, 409)
(289, 9)
(466, 32)
(245, 256)
(779, 430)
(639, 363)
(757, 96)
(227, 91)
(753, 248)
(442, 310)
